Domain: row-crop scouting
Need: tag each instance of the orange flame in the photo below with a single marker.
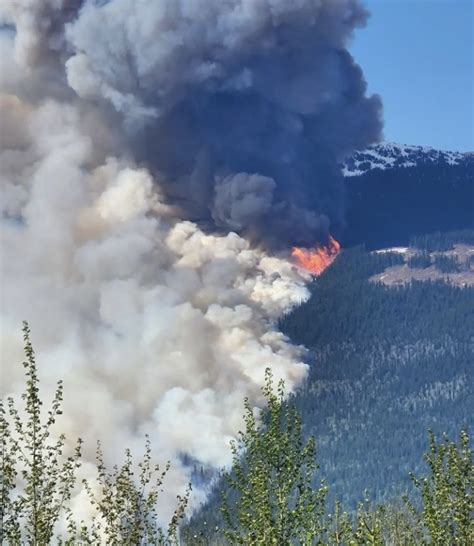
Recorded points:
(316, 260)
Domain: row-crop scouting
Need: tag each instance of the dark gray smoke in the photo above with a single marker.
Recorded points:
(244, 107)
(120, 121)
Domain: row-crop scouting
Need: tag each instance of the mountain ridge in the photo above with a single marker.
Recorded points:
(387, 155)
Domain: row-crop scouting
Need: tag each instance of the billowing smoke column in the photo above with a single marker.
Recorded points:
(154, 155)
(245, 106)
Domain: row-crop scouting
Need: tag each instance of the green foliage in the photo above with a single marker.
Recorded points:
(448, 492)
(38, 477)
(9, 526)
(272, 470)
(127, 506)
(339, 526)
(368, 524)
(386, 364)
(272, 475)
(270, 496)
(29, 453)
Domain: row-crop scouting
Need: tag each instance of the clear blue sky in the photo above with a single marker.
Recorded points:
(418, 55)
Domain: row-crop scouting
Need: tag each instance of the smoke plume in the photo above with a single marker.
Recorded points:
(222, 90)
(156, 158)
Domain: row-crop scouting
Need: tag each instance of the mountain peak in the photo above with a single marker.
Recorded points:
(387, 155)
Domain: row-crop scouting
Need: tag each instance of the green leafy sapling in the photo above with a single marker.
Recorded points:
(31, 510)
(447, 492)
(270, 498)
(127, 501)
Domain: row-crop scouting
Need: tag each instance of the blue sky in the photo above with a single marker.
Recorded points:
(418, 55)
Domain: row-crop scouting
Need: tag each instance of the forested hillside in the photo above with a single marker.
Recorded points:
(386, 365)
(271, 495)
(388, 207)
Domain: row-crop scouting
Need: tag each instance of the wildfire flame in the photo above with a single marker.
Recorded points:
(316, 260)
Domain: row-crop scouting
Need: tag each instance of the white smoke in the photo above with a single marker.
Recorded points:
(155, 325)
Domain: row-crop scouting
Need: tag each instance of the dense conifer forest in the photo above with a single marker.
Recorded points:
(386, 364)
(388, 208)
(347, 461)
(272, 494)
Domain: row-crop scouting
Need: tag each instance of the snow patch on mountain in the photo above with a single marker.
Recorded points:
(388, 155)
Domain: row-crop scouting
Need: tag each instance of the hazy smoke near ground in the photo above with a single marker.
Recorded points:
(136, 136)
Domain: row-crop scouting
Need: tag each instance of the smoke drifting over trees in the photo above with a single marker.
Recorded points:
(137, 137)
